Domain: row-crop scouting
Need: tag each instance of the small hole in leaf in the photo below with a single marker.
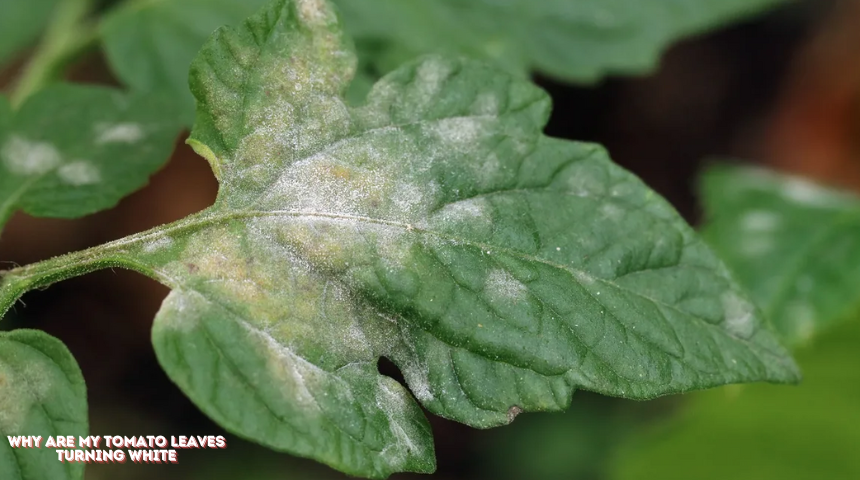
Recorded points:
(389, 369)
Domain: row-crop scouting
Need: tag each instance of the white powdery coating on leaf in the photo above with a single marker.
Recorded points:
(324, 185)
(502, 285)
(118, 133)
(395, 405)
(486, 104)
(738, 315)
(20, 391)
(468, 211)
(159, 244)
(419, 383)
(487, 172)
(431, 74)
(760, 220)
(807, 193)
(313, 12)
(181, 310)
(295, 376)
(23, 157)
(460, 132)
(79, 173)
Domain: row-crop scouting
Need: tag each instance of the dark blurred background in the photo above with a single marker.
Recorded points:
(782, 90)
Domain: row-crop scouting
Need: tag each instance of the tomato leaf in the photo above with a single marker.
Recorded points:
(580, 40)
(791, 242)
(150, 44)
(73, 150)
(434, 225)
(762, 432)
(42, 393)
(21, 23)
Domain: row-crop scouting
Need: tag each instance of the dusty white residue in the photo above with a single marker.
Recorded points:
(430, 76)
(312, 12)
(802, 191)
(408, 437)
(486, 104)
(119, 133)
(502, 285)
(611, 211)
(295, 376)
(410, 198)
(468, 211)
(20, 391)
(586, 183)
(459, 132)
(356, 340)
(79, 173)
(738, 315)
(583, 277)
(326, 185)
(181, 310)
(281, 129)
(429, 80)
(419, 383)
(487, 172)
(760, 220)
(23, 157)
(159, 244)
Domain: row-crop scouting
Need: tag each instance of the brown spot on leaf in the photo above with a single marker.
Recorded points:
(513, 412)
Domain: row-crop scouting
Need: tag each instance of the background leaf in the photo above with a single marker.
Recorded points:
(73, 150)
(42, 393)
(21, 23)
(791, 242)
(576, 40)
(761, 432)
(150, 44)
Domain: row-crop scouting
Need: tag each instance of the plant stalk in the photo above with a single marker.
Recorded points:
(69, 33)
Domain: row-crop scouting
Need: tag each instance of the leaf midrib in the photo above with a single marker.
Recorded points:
(211, 218)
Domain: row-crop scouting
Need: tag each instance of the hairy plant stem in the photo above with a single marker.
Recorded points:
(118, 253)
(69, 33)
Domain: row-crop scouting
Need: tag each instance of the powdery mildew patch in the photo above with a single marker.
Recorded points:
(128, 132)
(20, 391)
(760, 220)
(396, 406)
(79, 173)
(739, 314)
(29, 158)
(501, 285)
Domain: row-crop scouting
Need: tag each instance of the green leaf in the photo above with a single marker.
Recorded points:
(20, 24)
(761, 432)
(500, 269)
(150, 44)
(73, 150)
(42, 393)
(577, 40)
(792, 243)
